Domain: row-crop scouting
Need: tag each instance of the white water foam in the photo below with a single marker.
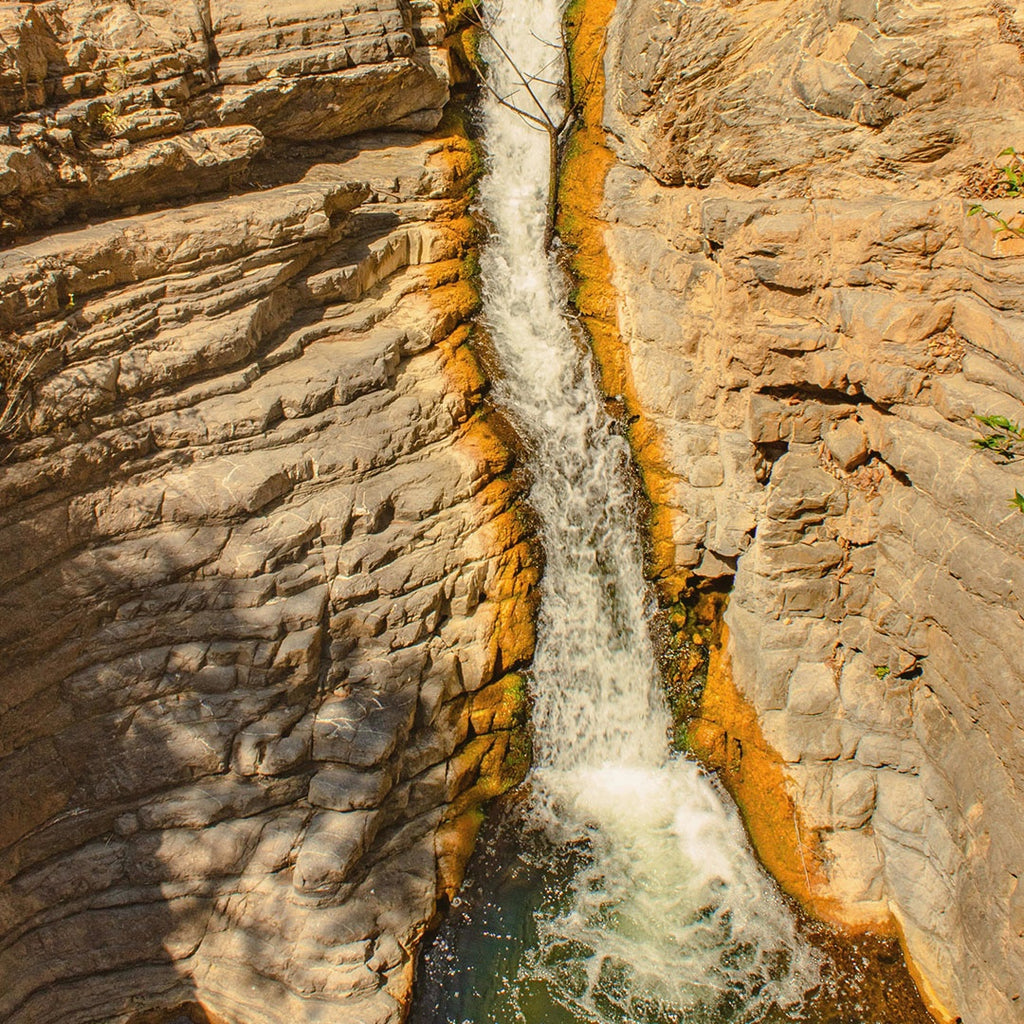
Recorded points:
(669, 917)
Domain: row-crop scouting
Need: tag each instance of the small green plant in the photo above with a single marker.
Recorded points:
(1001, 223)
(1005, 440)
(110, 122)
(1013, 173)
(883, 671)
(1011, 186)
(117, 77)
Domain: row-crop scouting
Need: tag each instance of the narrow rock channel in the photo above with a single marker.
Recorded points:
(665, 913)
(367, 448)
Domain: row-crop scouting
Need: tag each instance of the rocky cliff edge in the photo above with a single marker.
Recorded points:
(266, 580)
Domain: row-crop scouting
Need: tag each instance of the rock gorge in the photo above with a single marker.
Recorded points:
(268, 572)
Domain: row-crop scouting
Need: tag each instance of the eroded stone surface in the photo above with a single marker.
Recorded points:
(812, 321)
(128, 103)
(266, 579)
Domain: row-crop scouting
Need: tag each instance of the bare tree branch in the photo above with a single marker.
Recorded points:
(543, 120)
(524, 81)
(546, 42)
(505, 102)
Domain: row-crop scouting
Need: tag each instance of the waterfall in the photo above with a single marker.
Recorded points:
(667, 915)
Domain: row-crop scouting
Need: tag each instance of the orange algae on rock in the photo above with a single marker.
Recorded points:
(727, 737)
(725, 734)
(585, 167)
(494, 754)
(936, 1005)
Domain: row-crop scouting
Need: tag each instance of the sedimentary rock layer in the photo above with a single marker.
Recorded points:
(123, 103)
(812, 321)
(265, 576)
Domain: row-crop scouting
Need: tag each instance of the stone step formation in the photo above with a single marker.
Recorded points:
(266, 576)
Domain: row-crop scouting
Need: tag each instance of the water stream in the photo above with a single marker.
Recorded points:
(640, 899)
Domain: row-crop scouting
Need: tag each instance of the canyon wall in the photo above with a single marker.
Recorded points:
(266, 580)
(810, 323)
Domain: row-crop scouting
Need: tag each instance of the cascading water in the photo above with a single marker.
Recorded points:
(663, 914)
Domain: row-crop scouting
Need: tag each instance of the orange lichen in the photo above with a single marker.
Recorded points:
(728, 737)
(726, 734)
(586, 166)
(496, 753)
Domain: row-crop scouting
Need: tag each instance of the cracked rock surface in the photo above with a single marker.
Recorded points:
(126, 103)
(266, 580)
(812, 322)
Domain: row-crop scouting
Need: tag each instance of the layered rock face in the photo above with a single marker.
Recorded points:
(266, 580)
(118, 104)
(812, 322)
